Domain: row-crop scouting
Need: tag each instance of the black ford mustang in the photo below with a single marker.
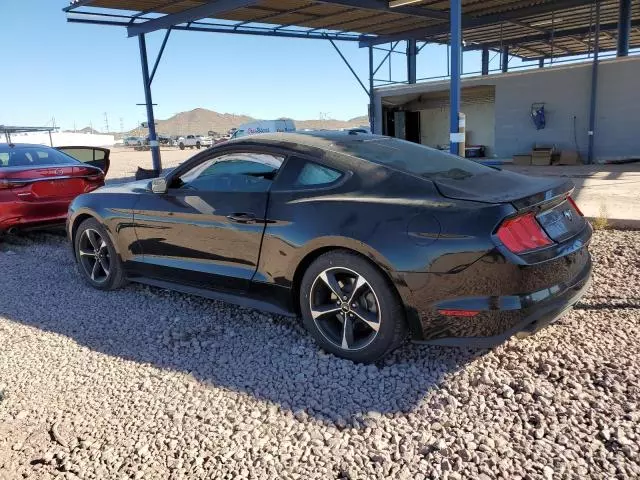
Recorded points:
(370, 239)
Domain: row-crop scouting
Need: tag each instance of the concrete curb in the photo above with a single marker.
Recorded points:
(619, 223)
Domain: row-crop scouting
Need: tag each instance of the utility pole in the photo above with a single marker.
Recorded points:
(106, 123)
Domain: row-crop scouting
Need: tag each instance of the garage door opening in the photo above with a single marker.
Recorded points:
(424, 119)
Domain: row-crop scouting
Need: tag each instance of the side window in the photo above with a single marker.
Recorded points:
(313, 174)
(234, 172)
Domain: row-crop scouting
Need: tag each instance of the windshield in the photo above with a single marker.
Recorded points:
(412, 158)
(33, 156)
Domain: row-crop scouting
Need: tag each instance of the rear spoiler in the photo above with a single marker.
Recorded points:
(553, 195)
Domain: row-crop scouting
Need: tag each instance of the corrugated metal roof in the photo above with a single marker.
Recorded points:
(532, 28)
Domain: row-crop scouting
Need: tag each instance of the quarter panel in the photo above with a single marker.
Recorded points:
(397, 220)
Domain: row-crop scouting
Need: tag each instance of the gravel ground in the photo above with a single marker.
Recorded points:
(125, 161)
(143, 383)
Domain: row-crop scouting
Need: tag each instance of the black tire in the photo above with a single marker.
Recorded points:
(115, 276)
(181, 146)
(198, 145)
(390, 330)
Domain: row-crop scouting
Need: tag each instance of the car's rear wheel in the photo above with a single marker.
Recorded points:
(350, 308)
(181, 146)
(198, 145)
(98, 261)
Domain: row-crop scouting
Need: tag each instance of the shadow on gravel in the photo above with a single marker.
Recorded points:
(268, 357)
(608, 303)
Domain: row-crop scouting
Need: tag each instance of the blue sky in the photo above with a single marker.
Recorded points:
(76, 72)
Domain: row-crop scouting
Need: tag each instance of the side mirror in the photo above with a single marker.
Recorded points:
(159, 185)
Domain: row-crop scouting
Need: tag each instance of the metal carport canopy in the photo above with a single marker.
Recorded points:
(527, 28)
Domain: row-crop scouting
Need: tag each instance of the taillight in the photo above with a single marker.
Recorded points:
(523, 233)
(573, 204)
(6, 184)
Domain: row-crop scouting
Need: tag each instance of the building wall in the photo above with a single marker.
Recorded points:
(434, 125)
(566, 91)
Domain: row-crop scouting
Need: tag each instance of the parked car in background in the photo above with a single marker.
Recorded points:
(264, 126)
(190, 141)
(162, 140)
(133, 141)
(369, 238)
(37, 183)
(205, 141)
(357, 130)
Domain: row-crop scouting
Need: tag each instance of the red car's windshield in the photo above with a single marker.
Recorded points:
(33, 156)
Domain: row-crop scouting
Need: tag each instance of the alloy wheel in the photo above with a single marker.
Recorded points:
(345, 308)
(94, 256)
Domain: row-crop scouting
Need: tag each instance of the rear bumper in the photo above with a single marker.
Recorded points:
(537, 310)
(508, 298)
(19, 214)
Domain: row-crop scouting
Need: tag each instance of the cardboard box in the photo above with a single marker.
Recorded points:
(569, 157)
(522, 159)
(541, 156)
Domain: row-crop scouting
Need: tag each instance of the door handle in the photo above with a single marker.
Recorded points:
(242, 217)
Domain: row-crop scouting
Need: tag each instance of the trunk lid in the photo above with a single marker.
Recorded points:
(35, 183)
(546, 197)
(499, 186)
(45, 183)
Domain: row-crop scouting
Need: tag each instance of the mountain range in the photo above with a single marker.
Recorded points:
(201, 121)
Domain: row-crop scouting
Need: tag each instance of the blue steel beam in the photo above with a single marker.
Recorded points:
(624, 28)
(454, 95)
(170, 3)
(475, 22)
(372, 110)
(485, 61)
(594, 86)
(153, 139)
(273, 15)
(505, 59)
(393, 47)
(77, 4)
(546, 37)
(217, 28)
(349, 66)
(211, 8)
(164, 44)
(412, 57)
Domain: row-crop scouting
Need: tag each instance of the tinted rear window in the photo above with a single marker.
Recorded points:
(32, 156)
(412, 158)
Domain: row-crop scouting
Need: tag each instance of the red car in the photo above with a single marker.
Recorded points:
(37, 183)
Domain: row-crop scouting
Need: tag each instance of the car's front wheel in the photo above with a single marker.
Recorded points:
(98, 261)
(181, 146)
(198, 145)
(350, 308)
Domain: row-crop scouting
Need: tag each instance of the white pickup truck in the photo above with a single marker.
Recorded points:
(196, 141)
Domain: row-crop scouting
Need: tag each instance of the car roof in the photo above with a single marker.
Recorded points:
(323, 139)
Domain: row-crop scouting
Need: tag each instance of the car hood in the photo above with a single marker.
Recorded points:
(139, 186)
